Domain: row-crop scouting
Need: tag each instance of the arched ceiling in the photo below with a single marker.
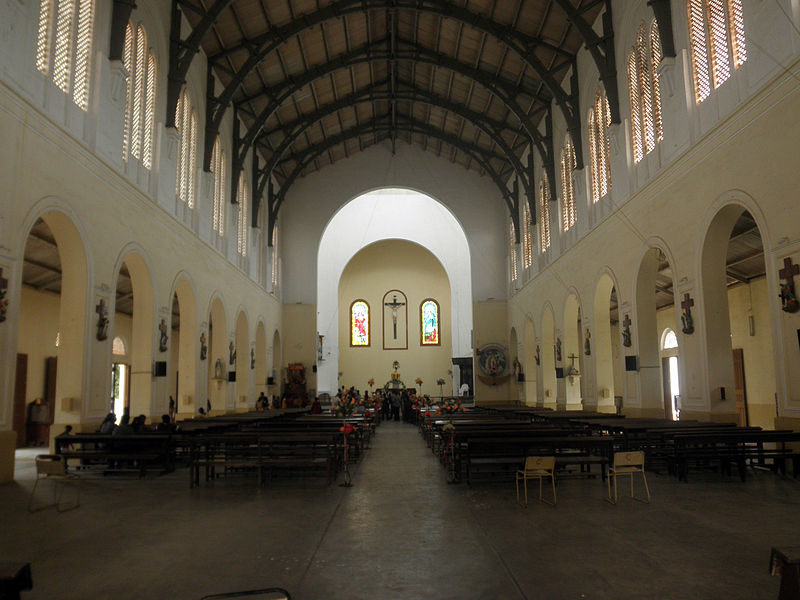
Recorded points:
(314, 81)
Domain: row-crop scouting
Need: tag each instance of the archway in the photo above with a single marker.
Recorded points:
(243, 362)
(531, 367)
(670, 374)
(368, 351)
(655, 301)
(382, 215)
(218, 359)
(260, 374)
(572, 358)
(606, 346)
(134, 318)
(736, 303)
(52, 319)
(184, 351)
(548, 359)
(277, 361)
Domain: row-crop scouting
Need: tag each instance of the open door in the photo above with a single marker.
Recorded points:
(20, 389)
(739, 386)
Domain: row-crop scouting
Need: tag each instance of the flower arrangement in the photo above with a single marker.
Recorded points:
(418, 381)
(371, 382)
(440, 381)
(449, 406)
(344, 407)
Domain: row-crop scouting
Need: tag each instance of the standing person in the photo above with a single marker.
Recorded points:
(396, 405)
(262, 403)
(463, 391)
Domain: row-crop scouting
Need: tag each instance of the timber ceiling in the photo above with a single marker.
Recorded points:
(316, 81)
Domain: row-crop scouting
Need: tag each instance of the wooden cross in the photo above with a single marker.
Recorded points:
(787, 272)
(687, 303)
(626, 322)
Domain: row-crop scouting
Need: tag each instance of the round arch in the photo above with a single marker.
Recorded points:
(260, 375)
(242, 362)
(183, 289)
(218, 358)
(530, 362)
(548, 357)
(606, 342)
(375, 216)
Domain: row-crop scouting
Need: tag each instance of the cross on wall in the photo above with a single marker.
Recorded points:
(687, 303)
(789, 270)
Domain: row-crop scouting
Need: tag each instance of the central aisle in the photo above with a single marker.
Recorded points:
(402, 532)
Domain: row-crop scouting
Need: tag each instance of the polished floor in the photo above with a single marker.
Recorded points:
(401, 532)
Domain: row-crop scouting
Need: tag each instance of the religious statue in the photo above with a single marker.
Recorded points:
(558, 350)
(788, 298)
(518, 370)
(162, 340)
(102, 320)
(231, 354)
(587, 344)
(203, 346)
(219, 369)
(3, 296)
(686, 316)
(537, 356)
(252, 358)
(626, 331)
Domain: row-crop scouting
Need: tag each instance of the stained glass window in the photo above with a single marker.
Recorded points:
(429, 322)
(359, 323)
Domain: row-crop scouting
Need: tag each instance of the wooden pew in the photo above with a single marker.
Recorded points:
(116, 451)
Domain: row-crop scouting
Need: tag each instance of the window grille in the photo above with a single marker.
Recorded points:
(717, 42)
(243, 226)
(544, 213)
(645, 96)
(527, 244)
(80, 89)
(140, 99)
(512, 252)
(44, 34)
(275, 261)
(218, 169)
(186, 124)
(568, 212)
(600, 147)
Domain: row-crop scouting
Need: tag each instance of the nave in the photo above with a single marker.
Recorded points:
(401, 532)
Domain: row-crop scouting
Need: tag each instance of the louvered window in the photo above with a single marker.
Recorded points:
(717, 42)
(568, 213)
(186, 124)
(137, 138)
(218, 169)
(600, 147)
(243, 225)
(544, 213)
(643, 61)
(275, 258)
(512, 251)
(64, 46)
(527, 242)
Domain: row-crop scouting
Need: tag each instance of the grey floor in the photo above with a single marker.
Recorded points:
(401, 532)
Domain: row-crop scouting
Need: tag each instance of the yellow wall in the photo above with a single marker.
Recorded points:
(299, 341)
(375, 270)
(491, 327)
(38, 327)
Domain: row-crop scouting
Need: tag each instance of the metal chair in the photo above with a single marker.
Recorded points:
(54, 467)
(537, 467)
(627, 464)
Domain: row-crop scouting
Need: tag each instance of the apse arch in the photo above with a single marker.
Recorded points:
(385, 214)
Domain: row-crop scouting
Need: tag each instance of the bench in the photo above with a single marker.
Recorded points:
(119, 453)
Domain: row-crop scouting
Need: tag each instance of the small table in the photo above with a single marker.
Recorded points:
(14, 577)
(786, 561)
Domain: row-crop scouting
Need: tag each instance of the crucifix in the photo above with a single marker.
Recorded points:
(572, 370)
(788, 299)
(686, 318)
(395, 305)
(3, 292)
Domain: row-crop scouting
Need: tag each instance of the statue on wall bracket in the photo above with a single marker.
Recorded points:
(102, 320)
(162, 340)
(626, 331)
(686, 315)
(3, 297)
(203, 346)
(788, 298)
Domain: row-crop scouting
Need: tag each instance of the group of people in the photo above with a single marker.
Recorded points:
(127, 426)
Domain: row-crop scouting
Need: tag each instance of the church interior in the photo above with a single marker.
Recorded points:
(570, 225)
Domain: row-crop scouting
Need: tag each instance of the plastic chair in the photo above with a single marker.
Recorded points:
(537, 467)
(627, 464)
(54, 468)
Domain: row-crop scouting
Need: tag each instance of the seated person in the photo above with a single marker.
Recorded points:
(316, 407)
(109, 424)
(201, 412)
(124, 427)
(166, 425)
